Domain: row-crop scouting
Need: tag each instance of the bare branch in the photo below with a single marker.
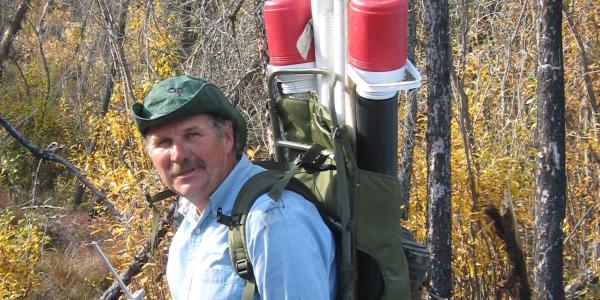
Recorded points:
(49, 155)
(25, 82)
(244, 78)
(584, 64)
(116, 37)
(40, 38)
(21, 123)
(232, 16)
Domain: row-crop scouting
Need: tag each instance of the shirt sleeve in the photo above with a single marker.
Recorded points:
(291, 249)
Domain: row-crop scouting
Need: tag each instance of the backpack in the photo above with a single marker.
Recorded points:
(362, 208)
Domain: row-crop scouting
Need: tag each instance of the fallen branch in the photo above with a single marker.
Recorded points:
(49, 154)
(135, 267)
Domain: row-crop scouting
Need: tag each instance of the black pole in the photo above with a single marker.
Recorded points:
(376, 147)
(377, 135)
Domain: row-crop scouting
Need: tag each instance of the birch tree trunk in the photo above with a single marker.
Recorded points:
(550, 170)
(438, 147)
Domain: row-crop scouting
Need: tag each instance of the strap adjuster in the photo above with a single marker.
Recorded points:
(243, 268)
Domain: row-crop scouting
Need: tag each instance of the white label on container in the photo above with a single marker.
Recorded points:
(305, 40)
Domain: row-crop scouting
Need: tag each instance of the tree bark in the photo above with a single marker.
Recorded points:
(551, 191)
(438, 147)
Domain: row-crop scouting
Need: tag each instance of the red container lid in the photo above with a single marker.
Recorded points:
(377, 34)
(285, 21)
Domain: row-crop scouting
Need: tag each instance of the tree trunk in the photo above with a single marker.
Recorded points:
(438, 147)
(550, 160)
(11, 30)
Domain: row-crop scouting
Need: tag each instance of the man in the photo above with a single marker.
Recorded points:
(195, 139)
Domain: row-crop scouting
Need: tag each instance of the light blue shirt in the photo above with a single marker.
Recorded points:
(291, 249)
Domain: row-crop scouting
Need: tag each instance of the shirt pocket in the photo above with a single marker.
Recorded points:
(215, 283)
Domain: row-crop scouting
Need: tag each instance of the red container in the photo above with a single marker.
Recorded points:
(284, 23)
(377, 34)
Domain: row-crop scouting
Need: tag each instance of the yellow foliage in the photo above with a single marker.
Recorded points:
(20, 251)
(497, 68)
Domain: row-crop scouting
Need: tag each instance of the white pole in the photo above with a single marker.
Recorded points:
(349, 100)
(339, 58)
(322, 15)
(138, 295)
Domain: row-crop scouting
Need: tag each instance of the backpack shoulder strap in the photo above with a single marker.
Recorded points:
(272, 182)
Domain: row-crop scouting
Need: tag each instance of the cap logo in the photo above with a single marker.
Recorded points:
(178, 90)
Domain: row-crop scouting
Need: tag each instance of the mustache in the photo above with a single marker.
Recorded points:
(186, 165)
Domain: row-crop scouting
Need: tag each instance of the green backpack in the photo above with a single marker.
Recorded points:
(362, 208)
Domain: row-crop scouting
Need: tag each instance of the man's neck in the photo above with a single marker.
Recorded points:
(202, 202)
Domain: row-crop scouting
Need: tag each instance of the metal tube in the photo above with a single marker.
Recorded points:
(339, 57)
(113, 271)
(377, 135)
(300, 146)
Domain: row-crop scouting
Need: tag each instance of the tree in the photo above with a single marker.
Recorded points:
(11, 31)
(438, 147)
(550, 161)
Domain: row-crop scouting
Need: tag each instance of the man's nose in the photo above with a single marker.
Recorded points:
(179, 152)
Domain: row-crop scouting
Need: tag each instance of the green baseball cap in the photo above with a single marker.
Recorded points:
(184, 96)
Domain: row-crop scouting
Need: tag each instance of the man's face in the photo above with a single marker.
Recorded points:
(190, 156)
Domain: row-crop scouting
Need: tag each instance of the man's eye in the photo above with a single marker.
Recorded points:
(192, 134)
(163, 143)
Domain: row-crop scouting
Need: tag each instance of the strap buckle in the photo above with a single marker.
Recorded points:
(162, 195)
(243, 268)
(223, 219)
